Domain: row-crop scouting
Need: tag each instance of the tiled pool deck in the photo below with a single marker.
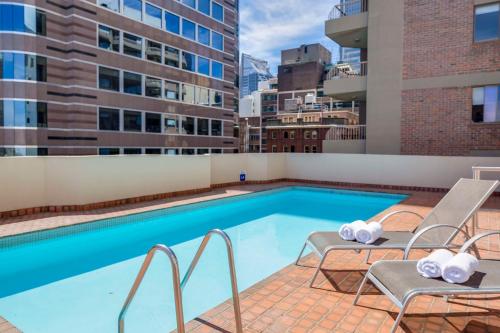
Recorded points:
(284, 302)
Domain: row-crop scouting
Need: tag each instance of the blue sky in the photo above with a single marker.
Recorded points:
(269, 26)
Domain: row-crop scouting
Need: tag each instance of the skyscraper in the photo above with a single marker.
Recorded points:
(253, 71)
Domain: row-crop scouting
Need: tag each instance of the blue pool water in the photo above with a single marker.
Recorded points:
(75, 279)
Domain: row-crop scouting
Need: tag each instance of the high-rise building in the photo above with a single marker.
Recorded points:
(118, 76)
(253, 71)
(429, 77)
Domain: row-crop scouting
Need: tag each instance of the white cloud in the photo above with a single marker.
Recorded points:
(268, 26)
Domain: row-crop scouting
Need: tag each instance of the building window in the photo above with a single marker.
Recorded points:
(216, 127)
(133, 9)
(487, 22)
(153, 122)
(113, 5)
(203, 151)
(217, 11)
(203, 35)
(188, 151)
(19, 66)
(153, 87)
(187, 125)
(109, 119)
(15, 113)
(285, 148)
(203, 126)
(307, 135)
(132, 121)
(23, 151)
(153, 51)
(307, 149)
(132, 83)
(285, 135)
(188, 94)
(190, 3)
(314, 149)
(216, 98)
(171, 125)
(171, 151)
(132, 45)
(171, 57)
(153, 15)
(132, 151)
(204, 6)
(292, 149)
(217, 70)
(204, 66)
(217, 41)
(273, 135)
(109, 151)
(202, 96)
(172, 23)
(486, 104)
(109, 79)
(314, 135)
(274, 149)
(188, 61)
(153, 151)
(188, 29)
(109, 39)
(292, 135)
(172, 90)
(21, 18)
(216, 151)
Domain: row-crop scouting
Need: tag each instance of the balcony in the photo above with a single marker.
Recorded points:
(347, 24)
(347, 81)
(345, 140)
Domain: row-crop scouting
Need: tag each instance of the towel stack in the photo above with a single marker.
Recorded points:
(452, 268)
(362, 232)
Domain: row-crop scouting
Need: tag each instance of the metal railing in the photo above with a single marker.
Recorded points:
(348, 70)
(476, 174)
(348, 8)
(346, 132)
(179, 286)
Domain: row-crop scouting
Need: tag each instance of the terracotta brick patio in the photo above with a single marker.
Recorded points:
(284, 302)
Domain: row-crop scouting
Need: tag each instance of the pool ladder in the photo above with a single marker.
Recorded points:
(179, 284)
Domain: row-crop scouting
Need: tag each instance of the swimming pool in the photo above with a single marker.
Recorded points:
(75, 279)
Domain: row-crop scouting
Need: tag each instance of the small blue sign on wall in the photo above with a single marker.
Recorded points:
(243, 176)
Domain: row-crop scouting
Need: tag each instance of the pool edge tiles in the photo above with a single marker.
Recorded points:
(136, 217)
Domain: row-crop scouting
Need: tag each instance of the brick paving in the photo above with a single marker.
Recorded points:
(284, 302)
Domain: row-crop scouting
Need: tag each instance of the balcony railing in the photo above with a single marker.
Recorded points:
(348, 8)
(346, 132)
(348, 70)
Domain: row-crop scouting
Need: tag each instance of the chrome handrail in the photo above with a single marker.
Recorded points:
(232, 271)
(138, 280)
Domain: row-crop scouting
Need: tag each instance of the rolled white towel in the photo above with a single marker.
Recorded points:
(347, 231)
(369, 233)
(460, 268)
(432, 265)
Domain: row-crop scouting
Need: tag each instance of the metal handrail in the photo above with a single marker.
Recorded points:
(232, 271)
(138, 280)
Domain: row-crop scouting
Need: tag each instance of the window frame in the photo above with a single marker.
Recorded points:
(475, 22)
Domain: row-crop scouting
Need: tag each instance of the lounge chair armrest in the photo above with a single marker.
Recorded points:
(423, 231)
(386, 217)
(474, 239)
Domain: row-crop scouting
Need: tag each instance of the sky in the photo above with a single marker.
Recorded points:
(269, 26)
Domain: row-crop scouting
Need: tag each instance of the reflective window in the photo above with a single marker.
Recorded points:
(187, 125)
(172, 151)
(203, 66)
(153, 51)
(188, 151)
(14, 113)
(171, 56)
(109, 119)
(132, 151)
(172, 90)
(153, 151)
(132, 121)
(153, 122)
(172, 23)
(216, 127)
(23, 151)
(110, 4)
(109, 151)
(203, 126)
(217, 69)
(188, 93)
(204, 6)
(203, 151)
(216, 98)
(109, 39)
(190, 3)
(153, 15)
(132, 83)
(171, 125)
(188, 29)
(202, 96)
(216, 151)
(487, 22)
(203, 35)
(109, 79)
(217, 11)
(486, 104)
(19, 66)
(132, 45)
(153, 87)
(188, 61)
(22, 19)
(133, 9)
(217, 41)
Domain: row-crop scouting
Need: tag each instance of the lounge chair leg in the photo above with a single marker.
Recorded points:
(360, 289)
(317, 270)
(399, 317)
(300, 254)
(367, 256)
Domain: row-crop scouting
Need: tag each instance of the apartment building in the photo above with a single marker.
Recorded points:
(253, 72)
(118, 77)
(429, 76)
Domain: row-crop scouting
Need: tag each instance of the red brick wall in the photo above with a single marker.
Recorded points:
(299, 142)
